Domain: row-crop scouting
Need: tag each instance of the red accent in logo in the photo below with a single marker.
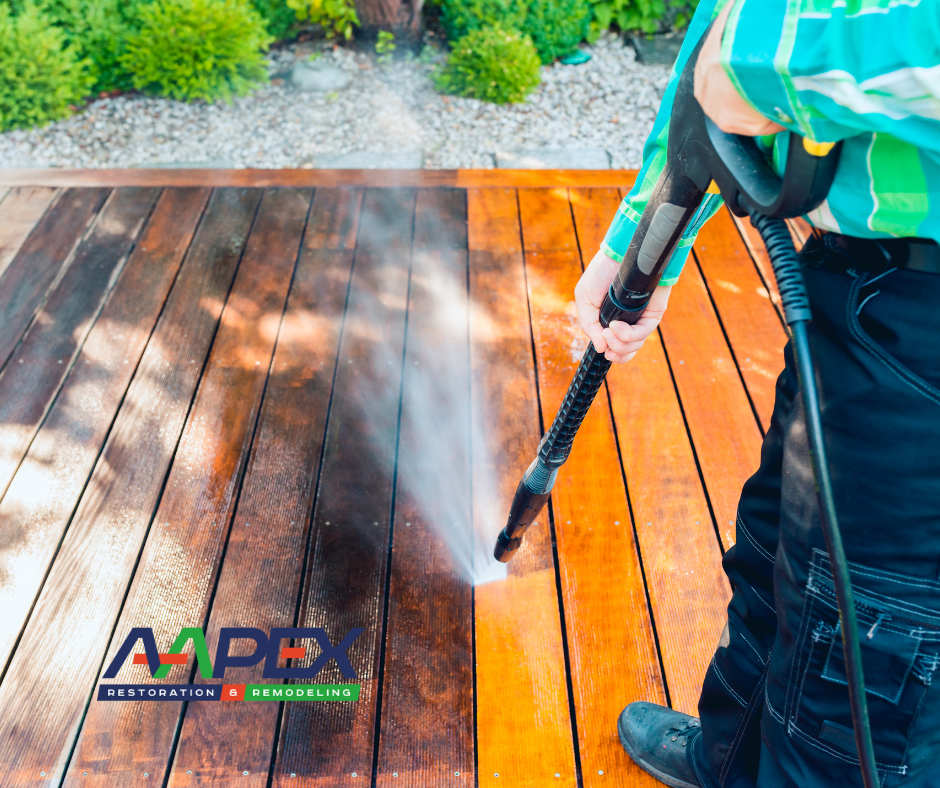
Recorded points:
(295, 652)
(233, 692)
(165, 659)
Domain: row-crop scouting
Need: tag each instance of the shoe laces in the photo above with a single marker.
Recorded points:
(684, 729)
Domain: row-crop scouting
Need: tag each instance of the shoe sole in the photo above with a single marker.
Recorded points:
(647, 767)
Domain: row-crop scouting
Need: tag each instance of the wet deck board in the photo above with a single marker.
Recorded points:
(309, 407)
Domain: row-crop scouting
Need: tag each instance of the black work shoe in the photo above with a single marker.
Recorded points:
(658, 740)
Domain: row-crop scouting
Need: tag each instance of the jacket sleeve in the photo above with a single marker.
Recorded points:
(832, 69)
(654, 160)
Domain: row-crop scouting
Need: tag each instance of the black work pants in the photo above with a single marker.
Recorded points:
(774, 704)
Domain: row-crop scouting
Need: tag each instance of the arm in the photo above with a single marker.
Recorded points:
(620, 342)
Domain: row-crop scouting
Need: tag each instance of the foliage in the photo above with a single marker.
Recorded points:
(40, 75)
(491, 64)
(281, 17)
(385, 46)
(556, 27)
(336, 17)
(197, 49)
(647, 16)
(96, 29)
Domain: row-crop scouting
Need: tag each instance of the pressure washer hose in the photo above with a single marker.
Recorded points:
(796, 312)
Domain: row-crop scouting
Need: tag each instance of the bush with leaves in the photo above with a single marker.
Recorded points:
(556, 27)
(646, 16)
(281, 18)
(40, 75)
(96, 30)
(197, 49)
(492, 64)
(336, 17)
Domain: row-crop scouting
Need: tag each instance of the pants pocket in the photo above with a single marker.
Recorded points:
(899, 632)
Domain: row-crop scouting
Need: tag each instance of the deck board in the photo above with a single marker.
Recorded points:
(426, 727)
(517, 619)
(45, 354)
(610, 636)
(21, 208)
(62, 455)
(83, 594)
(49, 247)
(347, 565)
(686, 586)
(311, 391)
(260, 578)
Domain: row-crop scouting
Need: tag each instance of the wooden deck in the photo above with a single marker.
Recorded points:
(308, 405)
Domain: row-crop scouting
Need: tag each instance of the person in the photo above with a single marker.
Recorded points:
(773, 710)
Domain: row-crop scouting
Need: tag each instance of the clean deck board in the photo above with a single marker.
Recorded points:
(305, 401)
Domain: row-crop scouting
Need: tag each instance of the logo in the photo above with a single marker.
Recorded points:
(267, 649)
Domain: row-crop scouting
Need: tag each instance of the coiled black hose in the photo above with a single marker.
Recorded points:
(797, 313)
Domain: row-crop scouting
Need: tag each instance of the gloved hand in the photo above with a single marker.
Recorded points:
(620, 341)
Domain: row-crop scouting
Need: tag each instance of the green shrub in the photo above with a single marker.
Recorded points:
(647, 16)
(556, 27)
(460, 17)
(491, 64)
(96, 29)
(336, 17)
(281, 18)
(40, 76)
(197, 49)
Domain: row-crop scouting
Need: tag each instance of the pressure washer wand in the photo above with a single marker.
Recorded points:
(672, 205)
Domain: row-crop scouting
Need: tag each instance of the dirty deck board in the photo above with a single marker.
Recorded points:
(247, 430)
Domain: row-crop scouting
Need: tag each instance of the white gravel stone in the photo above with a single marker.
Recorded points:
(608, 103)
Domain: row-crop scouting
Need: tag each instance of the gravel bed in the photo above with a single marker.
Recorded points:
(607, 103)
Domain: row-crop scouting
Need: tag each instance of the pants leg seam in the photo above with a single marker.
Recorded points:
(727, 686)
(760, 549)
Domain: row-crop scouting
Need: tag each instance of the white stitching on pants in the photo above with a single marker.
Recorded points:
(721, 678)
(763, 661)
(753, 541)
(739, 734)
(905, 375)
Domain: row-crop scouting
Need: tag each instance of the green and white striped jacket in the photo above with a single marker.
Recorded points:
(863, 71)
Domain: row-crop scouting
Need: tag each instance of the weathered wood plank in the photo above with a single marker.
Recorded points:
(40, 260)
(610, 635)
(83, 593)
(462, 179)
(175, 577)
(749, 319)
(36, 509)
(21, 209)
(524, 733)
(758, 252)
(39, 364)
(426, 731)
(687, 589)
(259, 580)
(724, 430)
(345, 583)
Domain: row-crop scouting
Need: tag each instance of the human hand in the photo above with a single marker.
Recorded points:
(620, 341)
(718, 96)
